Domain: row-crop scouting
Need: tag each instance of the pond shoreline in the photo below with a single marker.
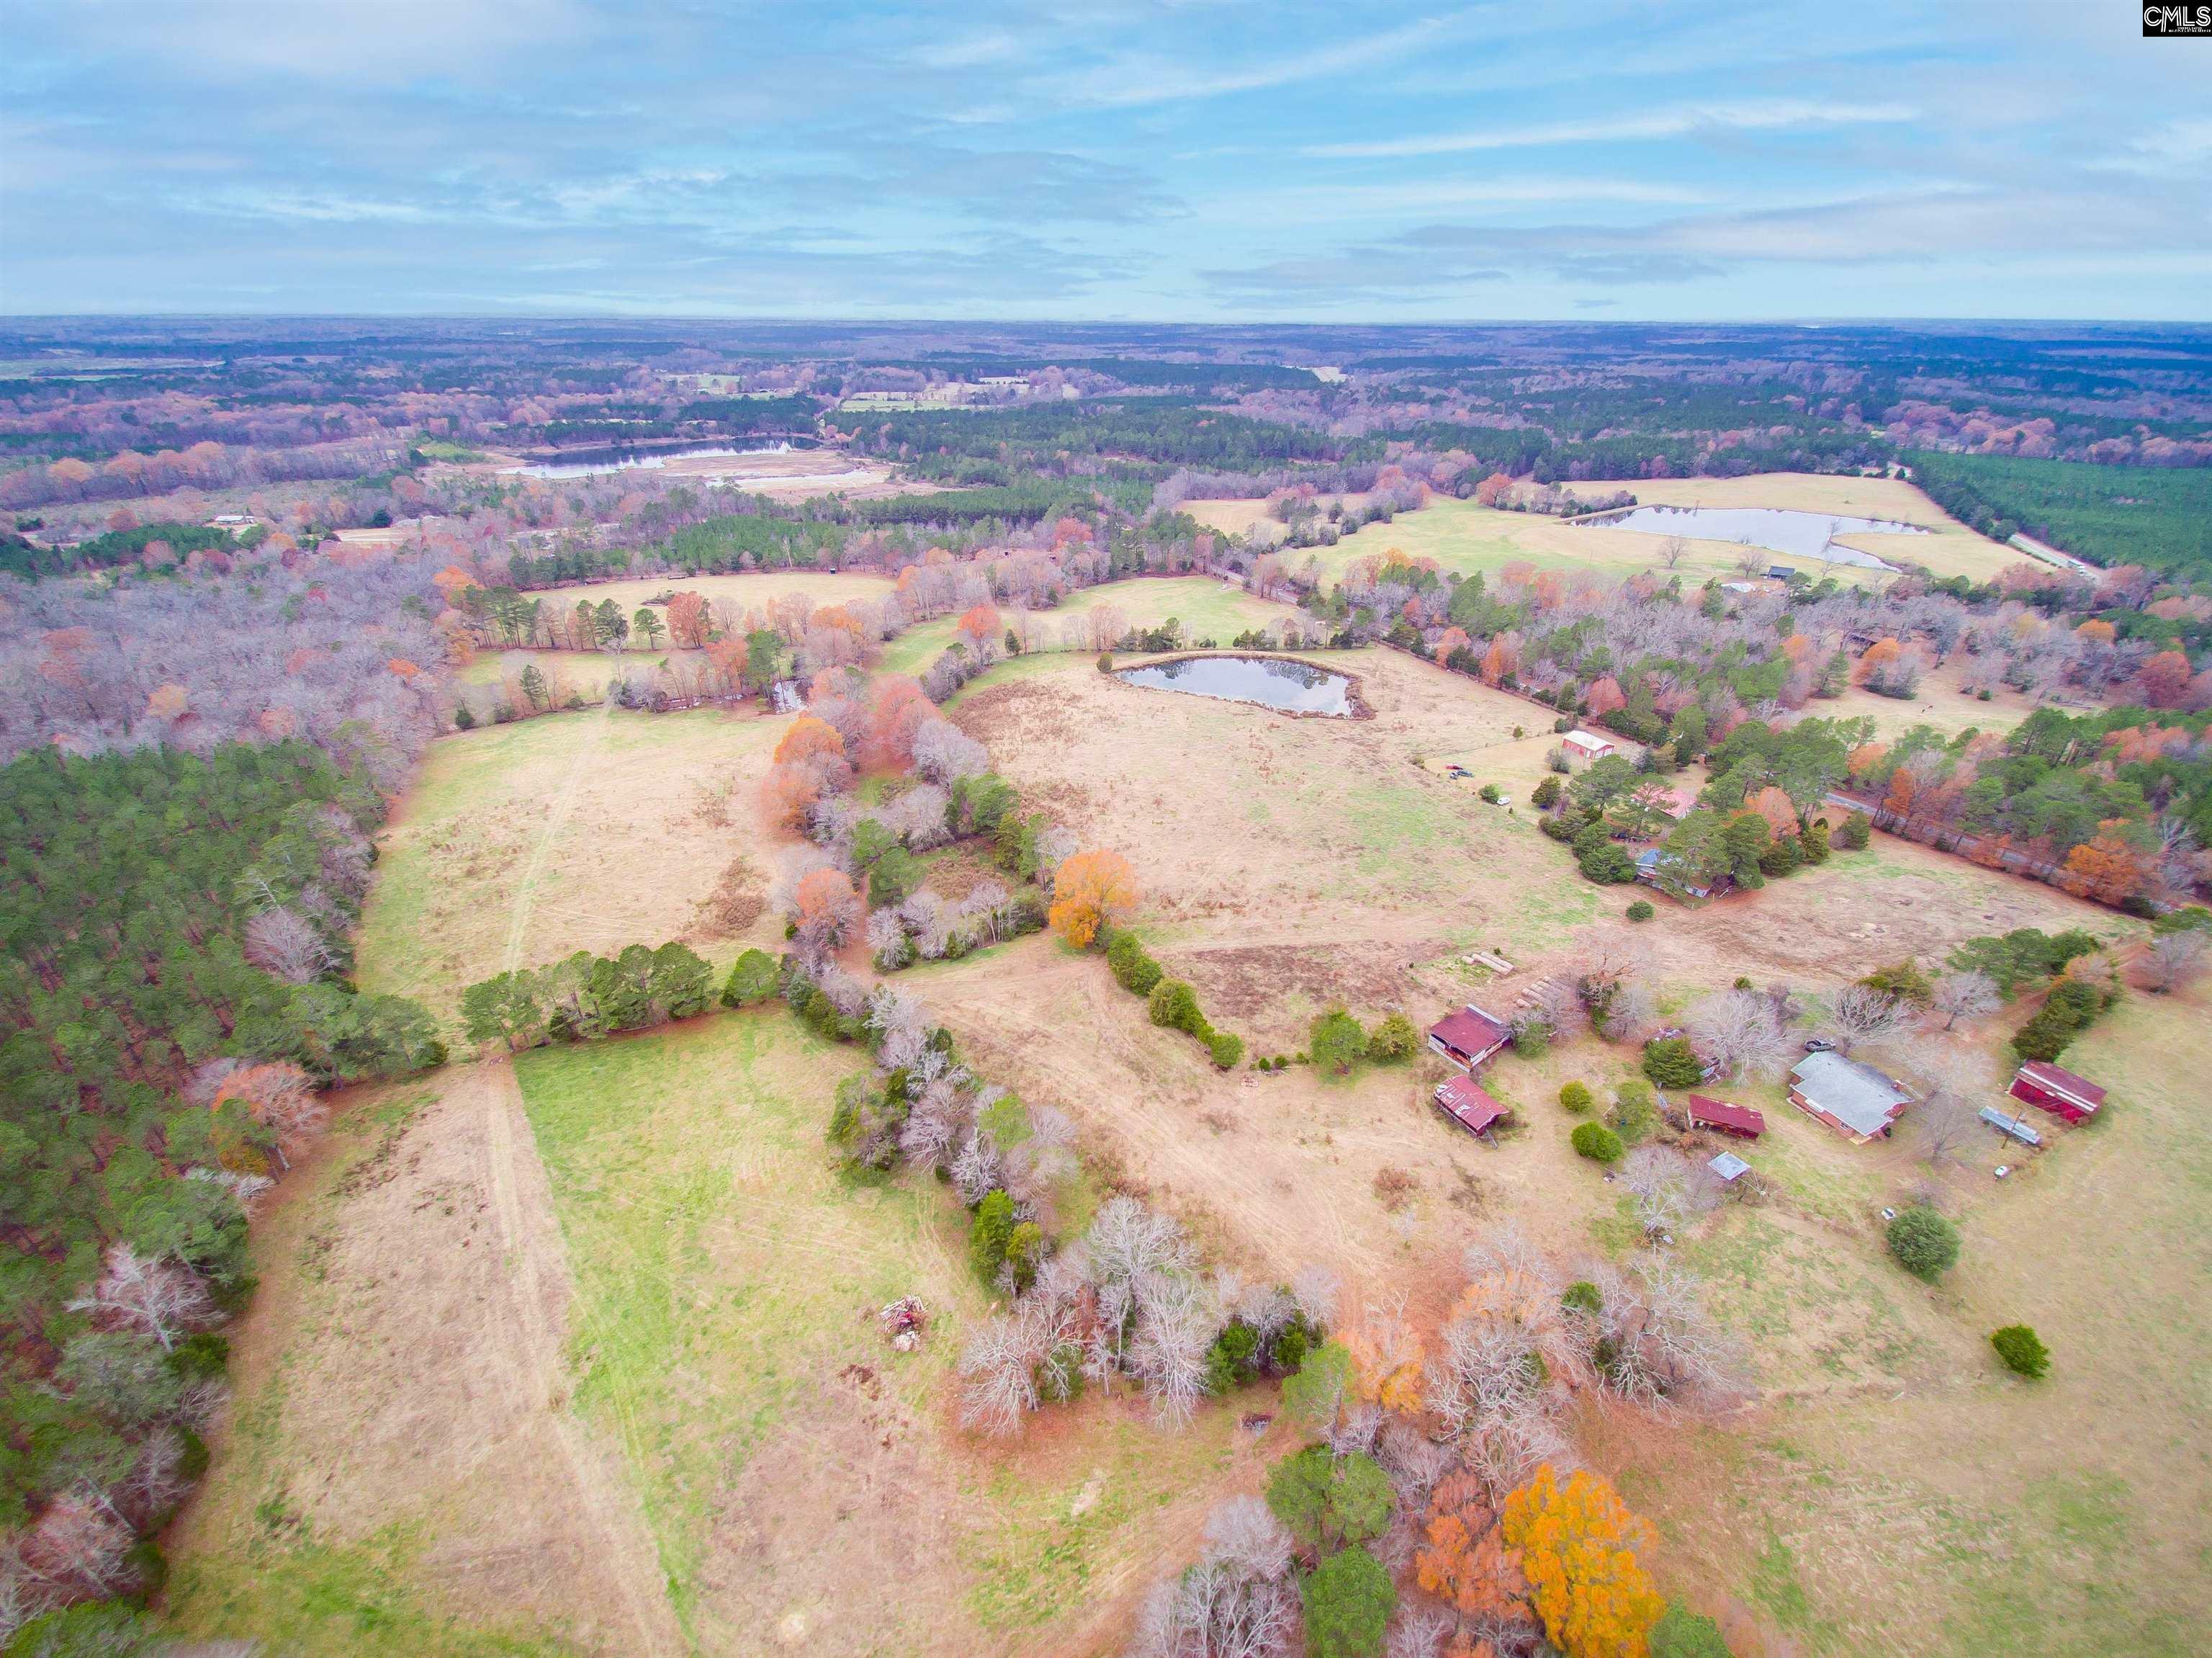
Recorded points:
(1356, 709)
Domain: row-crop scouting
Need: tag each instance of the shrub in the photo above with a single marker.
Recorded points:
(1134, 970)
(1173, 1005)
(1857, 830)
(2021, 1350)
(1635, 1115)
(752, 979)
(1234, 1357)
(1337, 1041)
(1490, 794)
(1924, 1243)
(1105, 662)
(992, 1234)
(1597, 1142)
(1681, 1633)
(1349, 1598)
(1582, 1296)
(1672, 1063)
(1226, 1050)
(1393, 1040)
(1330, 1501)
(1904, 980)
(1577, 1098)
(2070, 1010)
(1532, 1038)
(1546, 795)
(1641, 911)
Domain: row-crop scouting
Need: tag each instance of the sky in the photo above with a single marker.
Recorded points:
(1153, 160)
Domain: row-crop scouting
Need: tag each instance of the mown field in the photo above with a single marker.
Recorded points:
(1466, 536)
(749, 592)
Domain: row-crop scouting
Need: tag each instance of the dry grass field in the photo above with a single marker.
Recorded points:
(1466, 537)
(747, 592)
(520, 843)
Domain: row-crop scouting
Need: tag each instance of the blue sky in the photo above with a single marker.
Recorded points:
(1111, 159)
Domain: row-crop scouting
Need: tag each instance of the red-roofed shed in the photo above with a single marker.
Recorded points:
(1468, 1103)
(1469, 1037)
(2042, 1083)
(1740, 1120)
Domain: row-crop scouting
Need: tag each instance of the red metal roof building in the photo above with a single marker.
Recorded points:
(1467, 1102)
(2042, 1083)
(1740, 1120)
(1468, 1037)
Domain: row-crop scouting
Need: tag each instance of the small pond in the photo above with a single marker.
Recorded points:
(1800, 534)
(621, 458)
(1293, 687)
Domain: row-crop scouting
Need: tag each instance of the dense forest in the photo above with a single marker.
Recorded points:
(2158, 516)
(172, 994)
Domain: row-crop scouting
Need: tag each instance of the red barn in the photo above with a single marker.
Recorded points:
(1468, 1103)
(1740, 1120)
(1469, 1037)
(2042, 1083)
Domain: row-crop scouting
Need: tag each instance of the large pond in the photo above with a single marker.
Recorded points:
(622, 458)
(1800, 534)
(1294, 687)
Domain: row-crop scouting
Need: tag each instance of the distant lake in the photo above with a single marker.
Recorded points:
(1800, 534)
(1293, 687)
(623, 457)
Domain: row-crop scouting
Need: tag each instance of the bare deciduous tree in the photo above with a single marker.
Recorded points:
(282, 942)
(1967, 995)
(161, 1297)
(2174, 960)
(1740, 1033)
(1863, 1017)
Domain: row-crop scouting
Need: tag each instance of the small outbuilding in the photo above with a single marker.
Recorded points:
(2058, 1091)
(1856, 1100)
(2010, 1126)
(1741, 1121)
(1468, 1103)
(1728, 1167)
(1469, 1037)
(1588, 744)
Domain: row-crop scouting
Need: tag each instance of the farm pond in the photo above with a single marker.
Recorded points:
(1292, 687)
(1800, 534)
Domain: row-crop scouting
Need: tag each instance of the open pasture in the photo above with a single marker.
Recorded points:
(521, 843)
(753, 590)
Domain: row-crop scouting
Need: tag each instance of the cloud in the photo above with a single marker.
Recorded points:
(1133, 79)
(345, 40)
(1771, 115)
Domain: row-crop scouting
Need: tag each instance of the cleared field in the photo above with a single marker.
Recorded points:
(1241, 517)
(1466, 537)
(1316, 863)
(1208, 608)
(523, 842)
(804, 1482)
(747, 592)
(399, 1475)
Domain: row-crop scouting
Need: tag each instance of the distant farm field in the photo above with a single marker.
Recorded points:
(1207, 607)
(1466, 536)
(747, 592)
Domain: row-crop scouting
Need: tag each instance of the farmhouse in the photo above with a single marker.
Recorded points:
(1468, 1103)
(1587, 744)
(2061, 1092)
(1856, 1100)
(1741, 1121)
(1651, 868)
(1469, 1037)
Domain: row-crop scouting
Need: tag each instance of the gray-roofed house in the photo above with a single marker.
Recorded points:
(1856, 1100)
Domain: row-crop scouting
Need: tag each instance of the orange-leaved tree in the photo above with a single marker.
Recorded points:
(809, 739)
(1091, 890)
(1464, 1561)
(981, 623)
(1577, 1543)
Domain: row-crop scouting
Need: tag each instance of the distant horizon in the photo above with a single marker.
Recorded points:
(925, 319)
(1131, 161)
